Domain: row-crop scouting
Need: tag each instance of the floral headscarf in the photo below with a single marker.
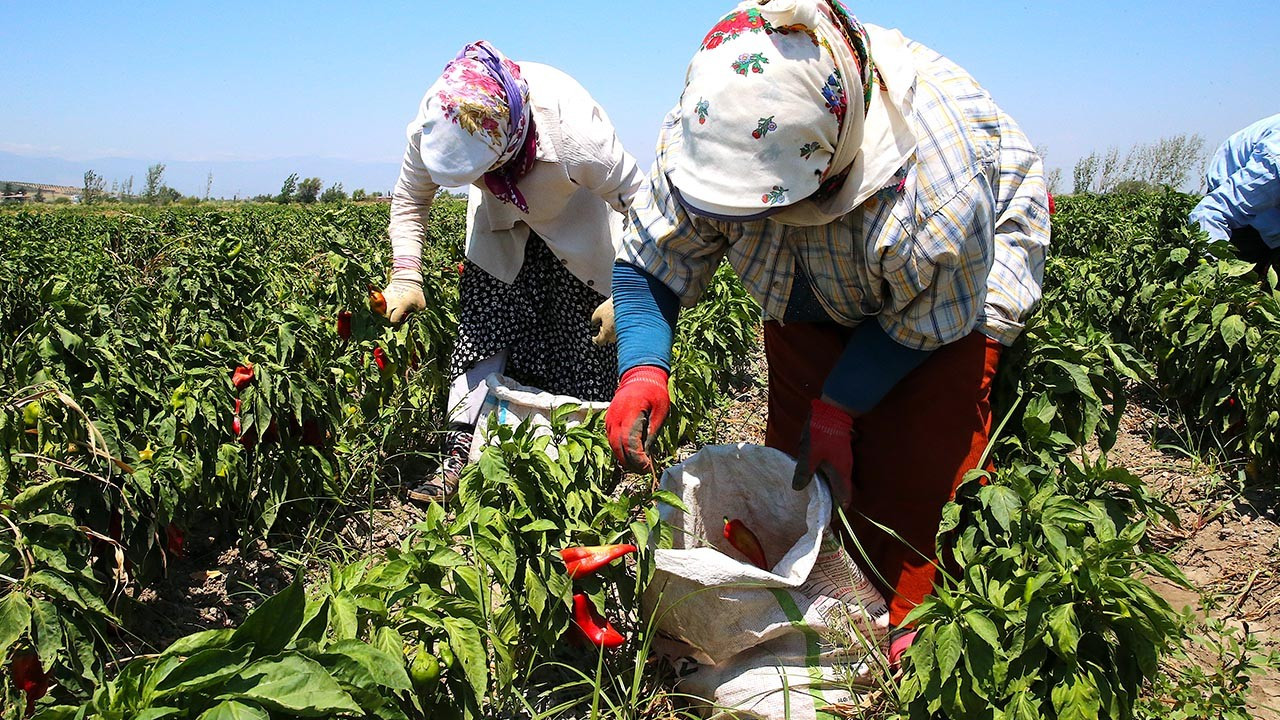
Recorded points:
(475, 121)
(774, 110)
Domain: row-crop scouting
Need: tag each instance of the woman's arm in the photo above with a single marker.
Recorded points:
(410, 205)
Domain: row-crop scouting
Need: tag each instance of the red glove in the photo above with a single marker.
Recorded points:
(639, 407)
(826, 447)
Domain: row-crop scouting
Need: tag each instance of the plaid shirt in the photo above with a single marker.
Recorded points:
(958, 245)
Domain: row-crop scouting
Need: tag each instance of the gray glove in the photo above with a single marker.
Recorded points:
(602, 319)
(404, 295)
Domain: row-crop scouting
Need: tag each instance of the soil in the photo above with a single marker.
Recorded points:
(217, 581)
(1227, 541)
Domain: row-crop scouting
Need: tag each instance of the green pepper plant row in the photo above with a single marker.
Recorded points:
(467, 618)
(1132, 266)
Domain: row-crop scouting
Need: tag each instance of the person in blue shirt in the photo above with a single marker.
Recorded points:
(1243, 204)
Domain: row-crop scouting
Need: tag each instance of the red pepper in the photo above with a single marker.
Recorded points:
(582, 561)
(1053, 208)
(174, 539)
(344, 324)
(30, 678)
(248, 439)
(242, 376)
(311, 433)
(461, 267)
(598, 630)
(380, 358)
(377, 301)
(745, 542)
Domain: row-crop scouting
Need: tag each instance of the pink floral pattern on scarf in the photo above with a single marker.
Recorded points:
(475, 101)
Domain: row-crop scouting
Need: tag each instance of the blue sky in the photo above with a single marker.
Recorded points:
(212, 83)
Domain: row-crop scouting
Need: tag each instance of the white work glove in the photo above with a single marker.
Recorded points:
(404, 295)
(602, 319)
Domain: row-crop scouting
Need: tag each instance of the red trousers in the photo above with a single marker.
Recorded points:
(911, 452)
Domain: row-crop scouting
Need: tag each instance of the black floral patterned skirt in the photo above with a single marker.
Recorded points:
(543, 320)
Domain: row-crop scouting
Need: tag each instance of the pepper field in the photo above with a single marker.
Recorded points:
(126, 453)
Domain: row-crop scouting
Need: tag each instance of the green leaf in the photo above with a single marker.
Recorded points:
(273, 624)
(1078, 700)
(1232, 330)
(202, 640)
(467, 647)
(203, 669)
(15, 619)
(37, 497)
(233, 710)
(47, 630)
(1003, 503)
(1064, 631)
(535, 592)
(155, 713)
(293, 684)
(949, 642)
(349, 656)
(343, 616)
(983, 628)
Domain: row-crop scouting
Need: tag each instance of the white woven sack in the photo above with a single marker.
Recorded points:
(748, 628)
(779, 680)
(513, 403)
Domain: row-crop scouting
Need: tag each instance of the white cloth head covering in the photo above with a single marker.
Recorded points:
(466, 117)
(783, 99)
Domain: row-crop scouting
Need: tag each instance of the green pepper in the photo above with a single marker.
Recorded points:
(424, 671)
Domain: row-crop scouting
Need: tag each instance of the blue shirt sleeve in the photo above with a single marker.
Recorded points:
(870, 366)
(1246, 193)
(645, 313)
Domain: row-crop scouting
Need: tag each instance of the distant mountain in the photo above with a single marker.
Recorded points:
(231, 178)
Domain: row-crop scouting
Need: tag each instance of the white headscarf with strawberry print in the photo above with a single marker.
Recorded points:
(783, 100)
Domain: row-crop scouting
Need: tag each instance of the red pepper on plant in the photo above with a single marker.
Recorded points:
(30, 678)
(594, 626)
(242, 376)
(582, 561)
(344, 324)
(174, 539)
(380, 358)
(377, 301)
(312, 435)
(745, 542)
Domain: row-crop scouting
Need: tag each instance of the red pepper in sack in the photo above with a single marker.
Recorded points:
(745, 542)
(597, 629)
(242, 376)
(582, 561)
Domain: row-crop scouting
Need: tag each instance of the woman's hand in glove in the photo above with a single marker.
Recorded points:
(602, 320)
(826, 448)
(639, 407)
(404, 295)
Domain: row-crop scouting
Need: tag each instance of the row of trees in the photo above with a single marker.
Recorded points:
(308, 190)
(1168, 161)
(154, 191)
